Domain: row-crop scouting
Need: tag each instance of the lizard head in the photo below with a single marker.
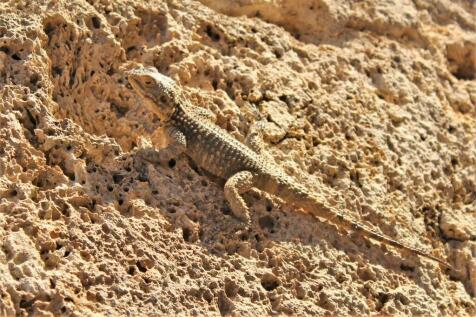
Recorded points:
(160, 92)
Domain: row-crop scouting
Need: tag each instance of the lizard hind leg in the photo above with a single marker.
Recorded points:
(236, 185)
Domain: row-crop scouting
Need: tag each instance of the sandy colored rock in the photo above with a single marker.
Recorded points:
(371, 104)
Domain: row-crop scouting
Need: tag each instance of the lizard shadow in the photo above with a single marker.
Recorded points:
(194, 201)
(286, 224)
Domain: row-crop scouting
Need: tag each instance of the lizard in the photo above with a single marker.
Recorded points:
(191, 130)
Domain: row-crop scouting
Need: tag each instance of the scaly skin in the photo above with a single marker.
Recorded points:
(190, 129)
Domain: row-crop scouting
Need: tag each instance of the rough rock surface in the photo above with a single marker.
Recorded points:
(371, 103)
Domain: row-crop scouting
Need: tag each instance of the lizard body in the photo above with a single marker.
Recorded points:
(190, 130)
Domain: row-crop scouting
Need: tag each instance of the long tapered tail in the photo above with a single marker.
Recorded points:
(301, 198)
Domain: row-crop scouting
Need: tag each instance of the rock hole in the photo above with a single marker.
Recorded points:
(96, 22)
(143, 176)
(465, 72)
(231, 289)
(48, 29)
(266, 222)
(72, 78)
(171, 210)
(405, 267)
(269, 282)
(171, 163)
(131, 270)
(226, 210)
(269, 207)
(454, 161)
(212, 33)
(25, 303)
(130, 49)
(208, 296)
(141, 267)
(65, 211)
(355, 177)
(186, 233)
(460, 60)
(278, 53)
(119, 110)
(34, 79)
(16, 57)
(382, 299)
(117, 178)
(244, 236)
(225, 305)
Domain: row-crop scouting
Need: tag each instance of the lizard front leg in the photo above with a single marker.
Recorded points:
(236, 185)
(177, 145)
(254, 139)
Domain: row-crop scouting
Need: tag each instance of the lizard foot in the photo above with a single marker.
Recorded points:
(236, 185)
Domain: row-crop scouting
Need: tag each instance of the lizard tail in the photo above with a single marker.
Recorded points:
(301, 198)
(340, 220)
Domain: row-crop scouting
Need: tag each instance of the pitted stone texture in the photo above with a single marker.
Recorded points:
(371, 104)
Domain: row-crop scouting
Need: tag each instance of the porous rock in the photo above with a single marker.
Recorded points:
(372, 104)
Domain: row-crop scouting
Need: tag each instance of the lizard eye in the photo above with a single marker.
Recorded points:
(148, 82)
(163, 99)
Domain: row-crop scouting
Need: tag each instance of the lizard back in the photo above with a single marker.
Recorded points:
(213, 149)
